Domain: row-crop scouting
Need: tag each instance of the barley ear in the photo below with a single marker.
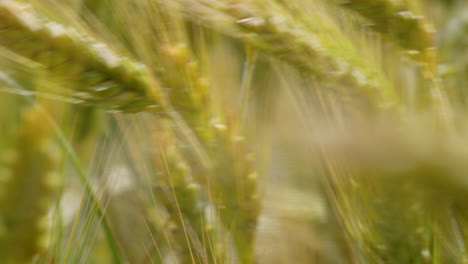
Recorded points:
(181, 195)
(101, 75)
(270, 29)
(30, 188)
(395, 20)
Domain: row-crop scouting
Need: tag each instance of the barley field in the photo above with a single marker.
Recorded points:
(234, 131)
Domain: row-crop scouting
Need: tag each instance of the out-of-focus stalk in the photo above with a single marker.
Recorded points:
(28, 189)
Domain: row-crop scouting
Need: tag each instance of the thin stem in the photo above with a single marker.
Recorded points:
(247, 74)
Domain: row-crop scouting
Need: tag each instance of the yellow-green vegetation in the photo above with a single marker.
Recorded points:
(233, 131)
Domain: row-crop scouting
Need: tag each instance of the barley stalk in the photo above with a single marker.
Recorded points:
(180, 194)
(29, 189)
(270, 29)
(201, 144)
(238, 204)
(395, 20)
(235, 193)
(102, 76)
(190, 89)
(104, 85)
(235, 188)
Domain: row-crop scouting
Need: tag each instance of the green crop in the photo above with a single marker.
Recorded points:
(233, 131)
